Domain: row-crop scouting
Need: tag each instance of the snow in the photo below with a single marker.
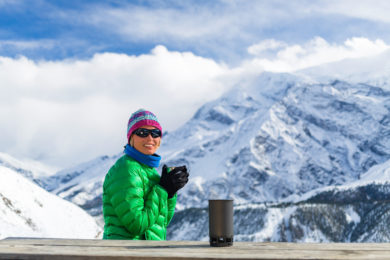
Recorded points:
(273, 219)
(379, 174)
(352, 216)
(26, 210)
(30, 168)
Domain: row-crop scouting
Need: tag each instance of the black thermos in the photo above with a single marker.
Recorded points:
(221, 222)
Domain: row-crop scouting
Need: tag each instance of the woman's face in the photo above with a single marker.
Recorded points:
(146, 145)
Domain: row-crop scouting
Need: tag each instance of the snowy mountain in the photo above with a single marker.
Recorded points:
(27, 210)
(287, 149)
(32, 170)
(300, 136)
(356, 212)
(82, 184)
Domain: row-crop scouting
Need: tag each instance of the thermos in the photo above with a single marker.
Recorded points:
(221, 222)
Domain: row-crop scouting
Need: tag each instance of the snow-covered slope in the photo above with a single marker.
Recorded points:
(82, 184)
(378, 174)
(355, 212)
(27, 210)
(299, 136)
(374, 185)
(32, 170)
(301, 222)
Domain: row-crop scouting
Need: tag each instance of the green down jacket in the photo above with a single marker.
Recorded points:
(134, 205)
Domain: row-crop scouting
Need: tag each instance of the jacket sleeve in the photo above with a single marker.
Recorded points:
(171, 208)
(127, 198)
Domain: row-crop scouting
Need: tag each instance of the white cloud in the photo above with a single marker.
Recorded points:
(25, 45)
(289, 58)
(265, 46)
(69, 111)
(377, 10)
(227, 20)
(183, 21)
(142, 23)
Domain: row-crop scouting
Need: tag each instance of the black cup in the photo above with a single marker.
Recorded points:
(221, 222)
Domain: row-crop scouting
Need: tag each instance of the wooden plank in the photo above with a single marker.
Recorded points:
(120, 249)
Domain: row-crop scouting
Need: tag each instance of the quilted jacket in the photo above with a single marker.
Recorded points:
(134, 205)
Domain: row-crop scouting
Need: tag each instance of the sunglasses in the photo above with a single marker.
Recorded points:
(143, 132)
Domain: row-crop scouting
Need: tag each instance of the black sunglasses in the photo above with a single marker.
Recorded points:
(143, 132)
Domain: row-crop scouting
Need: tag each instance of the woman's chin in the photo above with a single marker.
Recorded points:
(148, 151)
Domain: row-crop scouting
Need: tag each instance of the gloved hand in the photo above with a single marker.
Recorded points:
(174, 180)
(180, 177)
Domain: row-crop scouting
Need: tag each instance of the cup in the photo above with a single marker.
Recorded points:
(221, 222)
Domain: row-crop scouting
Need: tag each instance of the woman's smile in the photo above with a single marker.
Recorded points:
(146, 145)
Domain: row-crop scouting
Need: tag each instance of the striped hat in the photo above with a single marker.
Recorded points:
(140, 118)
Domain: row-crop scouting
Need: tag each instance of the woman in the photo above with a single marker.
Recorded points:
(137, 202)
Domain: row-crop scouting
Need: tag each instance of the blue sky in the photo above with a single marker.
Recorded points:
(221, 30)
(71, 72)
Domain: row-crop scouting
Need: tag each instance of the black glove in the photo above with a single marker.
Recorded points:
(179, 177)
(174, 180)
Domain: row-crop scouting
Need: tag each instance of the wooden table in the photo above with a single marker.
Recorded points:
(15, 248)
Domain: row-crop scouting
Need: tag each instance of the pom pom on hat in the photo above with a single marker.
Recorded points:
(140, 118)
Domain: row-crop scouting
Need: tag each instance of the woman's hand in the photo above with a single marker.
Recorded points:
(174, 180)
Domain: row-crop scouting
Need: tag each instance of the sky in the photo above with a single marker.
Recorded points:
(72, 72)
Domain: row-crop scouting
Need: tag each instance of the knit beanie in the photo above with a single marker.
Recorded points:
(140, 118)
